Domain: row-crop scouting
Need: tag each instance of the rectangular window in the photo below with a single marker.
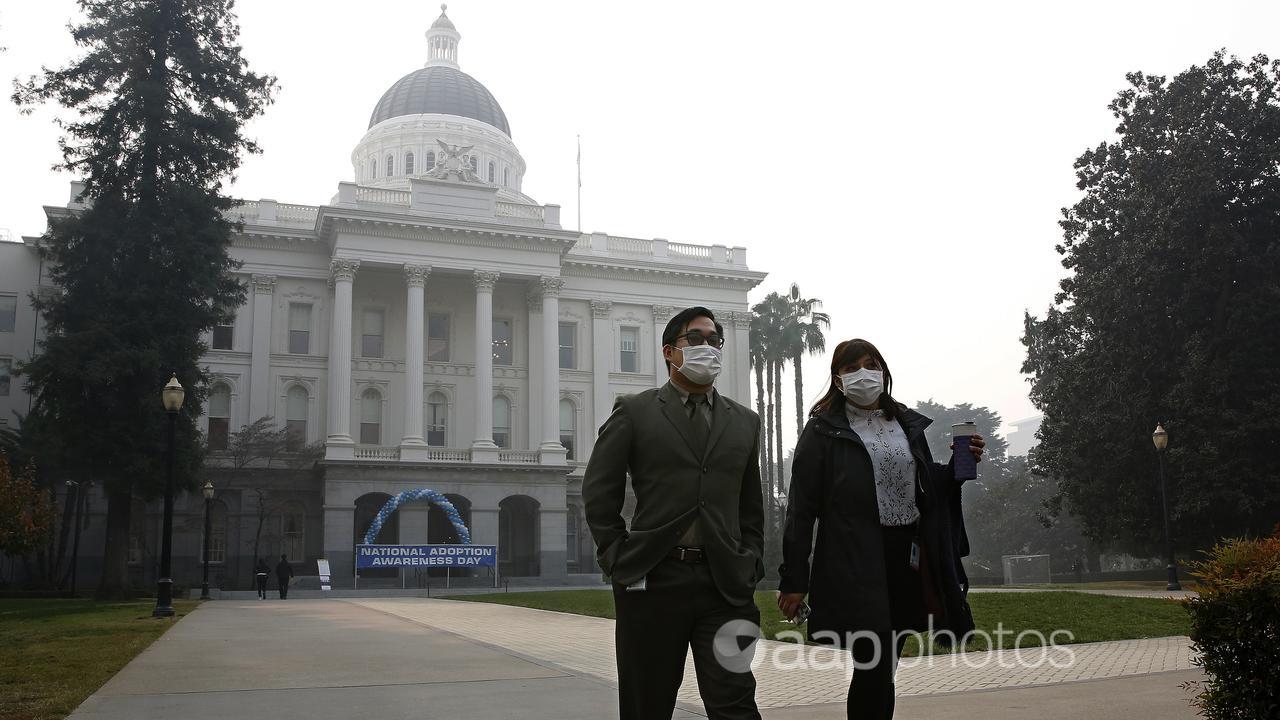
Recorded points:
(437, 337)
(370, 433)
(568, 346)
(8, 312)
(292, 537)
(135, 548)
(501, 341)
(371, 334)
(571, 535)
(219, 433)
(222, 337)
(299, 328)
(6, 370)
(295, 435)
(628, 349)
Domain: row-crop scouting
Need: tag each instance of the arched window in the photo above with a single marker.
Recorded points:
(219, 417)
(568, 426)
(373, 169)
(293, 534)
(502, 421)
(431, 159)
(408, 163)
(217, 532)
(493, 171)
(391, 165)
(295, 414)
(437, 420)
(371, 417)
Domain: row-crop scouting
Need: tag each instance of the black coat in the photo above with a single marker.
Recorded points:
(832, 483)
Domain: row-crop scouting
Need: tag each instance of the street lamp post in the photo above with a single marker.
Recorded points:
(208, 528)
(172, 396)
(1160, 438)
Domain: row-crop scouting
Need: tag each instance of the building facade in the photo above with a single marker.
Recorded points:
(432, 327)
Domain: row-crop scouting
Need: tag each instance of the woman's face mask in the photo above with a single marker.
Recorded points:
(863, 387)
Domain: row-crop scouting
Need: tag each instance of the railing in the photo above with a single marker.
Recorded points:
(297, 214)
(245, 212)
(379, 454)
(379, 196)
(518, 457)
(630, 246)
(448, 455)
(693, 252)
(524, 212)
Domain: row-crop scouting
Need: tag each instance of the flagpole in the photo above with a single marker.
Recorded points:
(579, 183)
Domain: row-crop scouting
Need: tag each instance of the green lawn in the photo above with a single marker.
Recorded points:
(56, 653)
(1090, 618)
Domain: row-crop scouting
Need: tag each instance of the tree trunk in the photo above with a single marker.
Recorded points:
(777, 369)
(115, 554)
(761, 448)
(769, 427)
(799, 396)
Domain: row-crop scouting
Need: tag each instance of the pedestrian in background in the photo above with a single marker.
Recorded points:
(284, 573)
(260, 575)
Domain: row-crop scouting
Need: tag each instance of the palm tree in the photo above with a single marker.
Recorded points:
(757, 354)
(802, 335)
(770, 314)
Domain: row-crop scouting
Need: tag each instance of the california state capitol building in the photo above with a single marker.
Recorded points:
(432, 327)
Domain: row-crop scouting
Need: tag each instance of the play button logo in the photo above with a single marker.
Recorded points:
(735, 645)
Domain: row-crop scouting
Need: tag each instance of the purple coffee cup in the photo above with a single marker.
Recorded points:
(966, 465)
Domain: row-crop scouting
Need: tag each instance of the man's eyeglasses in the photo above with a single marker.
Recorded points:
(695, 337)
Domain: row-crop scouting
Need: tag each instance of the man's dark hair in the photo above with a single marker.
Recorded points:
(284, 557)
(679, 324)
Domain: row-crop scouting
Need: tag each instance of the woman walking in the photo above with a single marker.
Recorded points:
(890, 531)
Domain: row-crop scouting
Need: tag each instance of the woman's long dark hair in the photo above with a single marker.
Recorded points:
(848, 353)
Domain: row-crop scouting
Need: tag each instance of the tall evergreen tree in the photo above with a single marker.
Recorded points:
(161, 95)
(1171, 314)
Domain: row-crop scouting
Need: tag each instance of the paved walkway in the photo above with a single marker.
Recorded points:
(421, 658)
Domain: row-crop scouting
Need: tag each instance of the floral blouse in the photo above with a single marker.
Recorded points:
(891, 461)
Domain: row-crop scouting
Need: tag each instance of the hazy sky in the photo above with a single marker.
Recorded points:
(904, 162)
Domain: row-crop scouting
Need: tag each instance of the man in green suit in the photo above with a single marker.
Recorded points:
(687, 567)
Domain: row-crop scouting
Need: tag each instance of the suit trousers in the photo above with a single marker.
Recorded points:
(655, 627)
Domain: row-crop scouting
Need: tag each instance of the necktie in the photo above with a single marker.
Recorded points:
(700, 420)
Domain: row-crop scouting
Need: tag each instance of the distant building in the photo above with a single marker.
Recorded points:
(434, 327)
(1023, 436)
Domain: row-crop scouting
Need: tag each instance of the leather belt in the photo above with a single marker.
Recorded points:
(692, 555)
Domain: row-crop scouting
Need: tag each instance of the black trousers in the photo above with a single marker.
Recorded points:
(262, 585)
(283, 581)
(871, 692)
(655, 627)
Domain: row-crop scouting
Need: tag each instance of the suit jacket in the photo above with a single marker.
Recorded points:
(649, 436)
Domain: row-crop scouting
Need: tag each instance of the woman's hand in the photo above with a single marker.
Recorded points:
(789, 604)
(976, 446)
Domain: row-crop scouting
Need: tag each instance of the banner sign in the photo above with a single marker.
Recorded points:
(385, 556)
(322, 567)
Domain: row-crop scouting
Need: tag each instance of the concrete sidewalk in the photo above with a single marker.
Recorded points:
(413, 658)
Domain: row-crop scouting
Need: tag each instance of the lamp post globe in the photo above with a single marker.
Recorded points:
(208, 529)
(171, 396)
(1160, 438)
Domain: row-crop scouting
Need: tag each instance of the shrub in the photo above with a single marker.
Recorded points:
(1235, 629)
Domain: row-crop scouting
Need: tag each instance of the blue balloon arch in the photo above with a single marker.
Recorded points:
(431, 496)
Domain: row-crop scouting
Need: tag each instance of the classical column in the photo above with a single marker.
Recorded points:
(741, 352)
(601, 363)
(661, 314)
(264, 287)
(551, 452)
(339, 530)
(339, 443)
(412, 446)
(534, 416)
(482, 448)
